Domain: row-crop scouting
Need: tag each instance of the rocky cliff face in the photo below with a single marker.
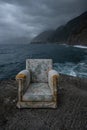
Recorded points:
(79, 38)
(74, 32)
(78, 34)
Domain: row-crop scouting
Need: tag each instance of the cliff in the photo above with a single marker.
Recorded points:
(73, 32)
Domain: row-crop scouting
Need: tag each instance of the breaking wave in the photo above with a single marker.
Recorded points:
(79, 46)
(72, 69)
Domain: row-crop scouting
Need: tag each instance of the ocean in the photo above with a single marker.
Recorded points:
(69, 60)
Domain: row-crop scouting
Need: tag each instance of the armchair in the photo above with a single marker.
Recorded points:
(37, 85)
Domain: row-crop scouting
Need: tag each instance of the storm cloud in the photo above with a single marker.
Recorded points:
(27, 18)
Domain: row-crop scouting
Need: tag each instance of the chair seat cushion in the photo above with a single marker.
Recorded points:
(38, 92)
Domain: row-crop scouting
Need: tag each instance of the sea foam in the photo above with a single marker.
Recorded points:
(80, 46)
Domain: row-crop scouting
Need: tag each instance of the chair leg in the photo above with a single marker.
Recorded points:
(20, 91)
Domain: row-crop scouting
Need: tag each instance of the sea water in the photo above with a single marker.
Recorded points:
(69, 60)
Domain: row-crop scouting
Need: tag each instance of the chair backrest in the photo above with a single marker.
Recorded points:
(39, 69)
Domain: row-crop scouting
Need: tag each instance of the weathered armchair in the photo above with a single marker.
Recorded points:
(37, 85)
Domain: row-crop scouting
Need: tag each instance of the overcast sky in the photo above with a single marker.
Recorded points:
(27, 18)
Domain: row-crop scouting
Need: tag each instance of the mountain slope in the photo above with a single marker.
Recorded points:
(43, 37)
(74, 32)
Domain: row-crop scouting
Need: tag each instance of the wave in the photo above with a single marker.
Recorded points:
(64, 44)
(72, 69)
(77, 46)
(80, 46)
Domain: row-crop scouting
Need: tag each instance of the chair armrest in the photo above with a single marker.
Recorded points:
(23, 78)
(52, 77)
(53, 81)
(23, 75)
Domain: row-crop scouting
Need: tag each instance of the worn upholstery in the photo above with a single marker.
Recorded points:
(39, 69)
(37, 85)
(38, 92)
(24, 77)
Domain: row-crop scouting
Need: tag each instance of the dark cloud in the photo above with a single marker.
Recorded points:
(27, 18)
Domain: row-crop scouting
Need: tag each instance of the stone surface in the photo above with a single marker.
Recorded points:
(71, 113)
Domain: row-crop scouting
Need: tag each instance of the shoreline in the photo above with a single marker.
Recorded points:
(71, 112)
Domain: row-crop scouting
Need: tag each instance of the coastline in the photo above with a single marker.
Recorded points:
(71, 112)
